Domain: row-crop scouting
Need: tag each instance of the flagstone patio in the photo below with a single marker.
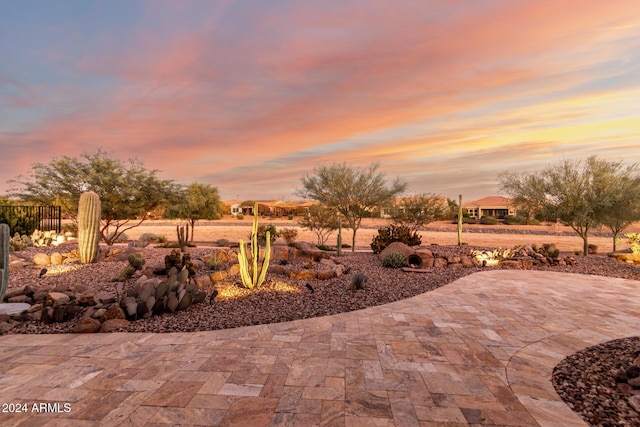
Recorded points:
(478, 351)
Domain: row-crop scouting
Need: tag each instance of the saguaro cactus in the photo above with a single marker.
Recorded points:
(253, 275)
(88, 226)
(4, 260)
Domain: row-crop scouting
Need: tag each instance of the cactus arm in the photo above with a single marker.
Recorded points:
(255, 249)
(265, 263)
(244, 264)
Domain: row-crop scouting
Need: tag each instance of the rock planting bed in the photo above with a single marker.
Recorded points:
(285, 298)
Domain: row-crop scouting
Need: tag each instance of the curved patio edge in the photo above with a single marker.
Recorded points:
(476, 351)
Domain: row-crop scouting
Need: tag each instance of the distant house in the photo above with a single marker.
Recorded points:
(496, 206)
(234, 206)
(270, 207)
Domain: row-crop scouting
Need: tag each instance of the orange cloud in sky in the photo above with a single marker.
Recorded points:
(250, 99)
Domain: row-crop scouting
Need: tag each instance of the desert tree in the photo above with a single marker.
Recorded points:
(195, 202)
(527, 191)
(351, 191)
(127, 190)
(618, 187)
(321, 220)
(582, 194)
(418, 210)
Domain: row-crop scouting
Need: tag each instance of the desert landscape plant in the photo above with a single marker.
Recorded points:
(4, 260)
(394, 233)
(198, 201)
(583, 194)
(321, 220)
(89, 212)
(395, 260)
(352, 192)
(127, 190)
(252, 271)
(418, 210)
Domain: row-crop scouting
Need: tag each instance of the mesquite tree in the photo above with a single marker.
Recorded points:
(351, 191)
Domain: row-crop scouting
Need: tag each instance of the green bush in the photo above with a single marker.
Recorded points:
(240, 216)
(465, 220)
(262, 234)
(394, 233)
(290, 217)
(394, 260)
(488, 220)
(592, 249)
(222, 242)
(514, 220)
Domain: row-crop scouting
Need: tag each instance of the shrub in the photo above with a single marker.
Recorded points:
(240, 216)
(262, 233)
(121, 238)
(514, 220)
(289, 235)
(592, 249)
(394, 233)
(222, 242)
(634, 241)
(465, 220)
(215, 260)
(290, 217)
(394, 260)
(547, 249)
(149, 237)
(488, 220)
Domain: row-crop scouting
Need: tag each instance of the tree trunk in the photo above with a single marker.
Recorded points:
(615, 238)
(353, 241)
(193, 224)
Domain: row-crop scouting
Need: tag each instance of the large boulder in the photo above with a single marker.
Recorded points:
(41, 259)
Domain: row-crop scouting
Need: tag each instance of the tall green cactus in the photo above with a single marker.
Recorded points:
(253, 275)
(89, 210)
(4, 260)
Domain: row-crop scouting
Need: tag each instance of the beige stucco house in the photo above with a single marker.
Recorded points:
(496, 206)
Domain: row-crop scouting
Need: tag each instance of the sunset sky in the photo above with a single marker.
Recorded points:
(248, 96)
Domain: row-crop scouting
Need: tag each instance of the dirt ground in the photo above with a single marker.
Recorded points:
(446, 234)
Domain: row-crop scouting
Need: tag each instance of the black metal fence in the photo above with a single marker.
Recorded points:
(26, 219)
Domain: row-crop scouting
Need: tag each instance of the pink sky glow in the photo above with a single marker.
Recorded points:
(249, 96)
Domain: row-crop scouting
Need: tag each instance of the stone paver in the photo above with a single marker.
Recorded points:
(479, 351)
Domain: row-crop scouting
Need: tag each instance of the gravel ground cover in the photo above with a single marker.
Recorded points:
(586, 381)
(283, 299)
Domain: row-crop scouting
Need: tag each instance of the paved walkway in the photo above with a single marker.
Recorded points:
(477, 351)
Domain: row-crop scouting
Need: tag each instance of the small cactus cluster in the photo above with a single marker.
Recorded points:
(155, 296)
(46, 238)
(136, 262)
(547, 249)
(4, 259)
(179, 260)
(18, 242)
(183, 237)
